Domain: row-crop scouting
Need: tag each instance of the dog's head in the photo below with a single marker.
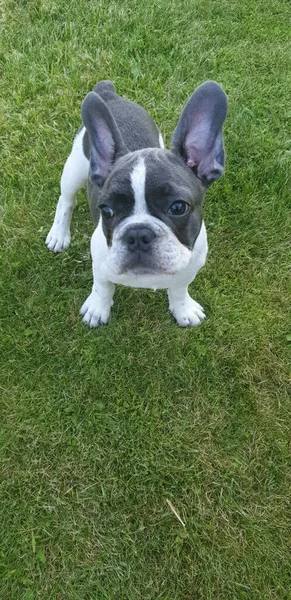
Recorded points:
(151, 199)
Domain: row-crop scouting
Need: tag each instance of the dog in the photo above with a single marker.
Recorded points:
(146, 201)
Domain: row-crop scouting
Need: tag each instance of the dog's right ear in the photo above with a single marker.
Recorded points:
(106, 143)
(198, 135)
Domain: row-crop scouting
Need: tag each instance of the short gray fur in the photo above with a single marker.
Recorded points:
(136, 126)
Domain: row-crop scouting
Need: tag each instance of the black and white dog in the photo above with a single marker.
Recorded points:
(151, 233)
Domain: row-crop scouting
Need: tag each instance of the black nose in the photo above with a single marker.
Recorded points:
(139, 238)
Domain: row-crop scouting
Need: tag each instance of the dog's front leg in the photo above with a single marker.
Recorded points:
(74, 177)
(96, 309)
(184, 309)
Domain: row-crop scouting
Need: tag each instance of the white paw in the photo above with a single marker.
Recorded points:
(96, 310)
(187, 313)
(58, 238)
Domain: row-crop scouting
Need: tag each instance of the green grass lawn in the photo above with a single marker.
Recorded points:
(99, 428)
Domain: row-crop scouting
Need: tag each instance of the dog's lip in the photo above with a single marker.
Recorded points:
(139, 270)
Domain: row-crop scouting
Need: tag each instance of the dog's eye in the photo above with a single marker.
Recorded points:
(106, 211)
(178, 208)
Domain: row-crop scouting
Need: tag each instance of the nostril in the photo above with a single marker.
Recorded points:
(146, 236)
(145, 240)
(131, 241)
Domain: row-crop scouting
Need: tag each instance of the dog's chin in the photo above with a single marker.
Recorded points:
(140, 270)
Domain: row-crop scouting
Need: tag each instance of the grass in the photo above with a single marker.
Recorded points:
(100, 428)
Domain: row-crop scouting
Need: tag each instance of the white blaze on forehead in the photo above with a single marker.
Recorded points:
(138, 180)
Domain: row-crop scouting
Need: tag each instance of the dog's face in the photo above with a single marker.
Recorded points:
(151, 199)
(151, 213)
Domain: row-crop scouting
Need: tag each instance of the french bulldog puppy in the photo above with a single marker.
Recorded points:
(146, 201)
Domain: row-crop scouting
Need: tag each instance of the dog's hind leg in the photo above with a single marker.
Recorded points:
(74, 177)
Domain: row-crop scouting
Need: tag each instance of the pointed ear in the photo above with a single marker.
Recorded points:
(198, 135)
(106, 143)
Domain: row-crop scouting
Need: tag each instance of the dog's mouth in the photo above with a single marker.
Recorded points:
(134, 268)
(140, 265)
(141, 271)
(146, 266)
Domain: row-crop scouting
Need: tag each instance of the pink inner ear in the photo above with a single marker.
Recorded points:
(197, 138)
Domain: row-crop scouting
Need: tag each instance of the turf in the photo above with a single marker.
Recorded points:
(100, 429)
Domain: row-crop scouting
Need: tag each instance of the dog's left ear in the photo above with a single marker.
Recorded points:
(198, 135)
(106, 143)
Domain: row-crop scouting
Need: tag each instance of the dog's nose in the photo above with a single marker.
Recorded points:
(139, 238)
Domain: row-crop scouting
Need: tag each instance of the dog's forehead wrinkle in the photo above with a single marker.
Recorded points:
(120, 176)
(161, 165)
(164, 167)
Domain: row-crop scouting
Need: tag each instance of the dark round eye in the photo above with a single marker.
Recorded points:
(178, 208)
(107, 212)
